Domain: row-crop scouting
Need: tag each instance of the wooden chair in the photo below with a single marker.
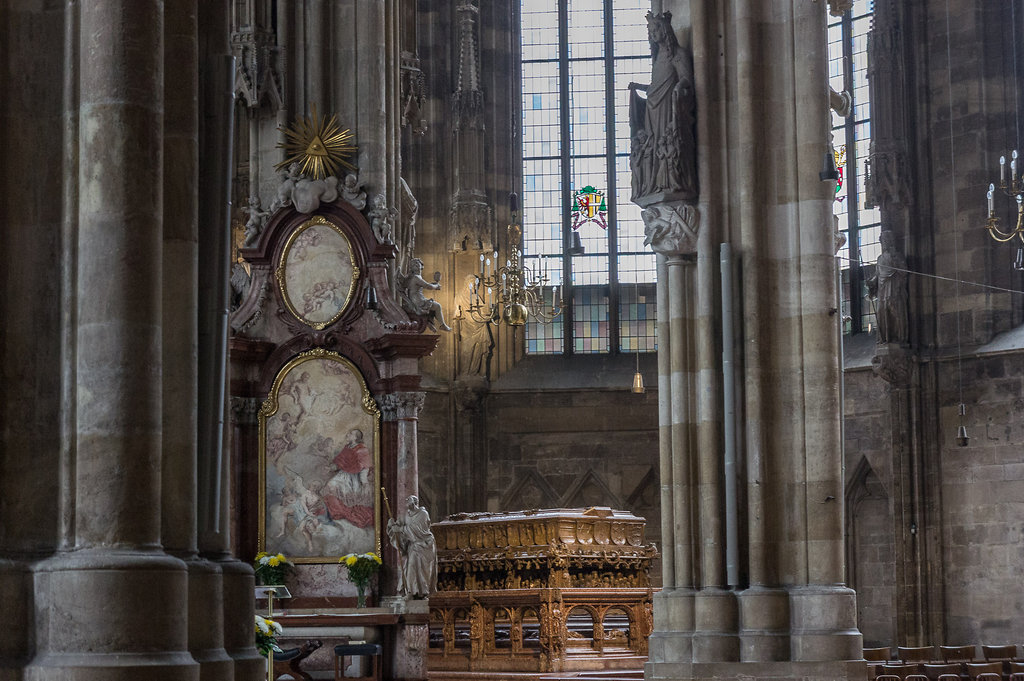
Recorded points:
(985, 671)
(957, 653)
(345, 651)
(288, 661)
(1003, 654)
(876, 657)
(916, 655)
(901, 671)
(1016, 670)
(999, 653)
(943, 672)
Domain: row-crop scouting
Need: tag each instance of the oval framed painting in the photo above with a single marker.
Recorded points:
(317, 273)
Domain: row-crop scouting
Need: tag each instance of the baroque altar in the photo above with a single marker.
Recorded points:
(540, 591)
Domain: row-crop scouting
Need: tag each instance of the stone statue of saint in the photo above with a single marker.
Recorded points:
(415, 542)
(889, 288)
(663, 146)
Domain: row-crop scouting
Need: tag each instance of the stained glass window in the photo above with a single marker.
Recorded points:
(579, 57)
(848, 70)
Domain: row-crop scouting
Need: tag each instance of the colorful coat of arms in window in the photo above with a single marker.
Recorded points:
(840, 158)
(589, 206)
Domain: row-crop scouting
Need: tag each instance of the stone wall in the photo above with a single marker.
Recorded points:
(983, 499)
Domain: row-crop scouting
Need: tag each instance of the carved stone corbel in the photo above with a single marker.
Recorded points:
(837, 7)
(892, 364)
(470, 220)
(671, 228)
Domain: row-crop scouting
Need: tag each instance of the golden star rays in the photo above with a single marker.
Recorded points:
(318, 145)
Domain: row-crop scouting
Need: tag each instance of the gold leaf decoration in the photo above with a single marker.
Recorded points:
(318, 145)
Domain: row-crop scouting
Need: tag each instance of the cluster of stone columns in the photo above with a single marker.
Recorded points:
(121, 583)
(762, 130)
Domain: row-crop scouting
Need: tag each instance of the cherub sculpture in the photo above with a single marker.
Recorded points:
(412, 285)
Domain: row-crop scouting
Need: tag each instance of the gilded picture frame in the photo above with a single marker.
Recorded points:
(317, 272)
(319, 461)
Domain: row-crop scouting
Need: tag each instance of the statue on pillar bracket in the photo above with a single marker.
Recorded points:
(888, 288)
(663, 144)
(671, 228)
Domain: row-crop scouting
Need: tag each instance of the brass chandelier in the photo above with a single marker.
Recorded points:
(512, 293)
(1014, 188)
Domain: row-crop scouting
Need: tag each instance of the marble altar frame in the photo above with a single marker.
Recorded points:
(302, 466)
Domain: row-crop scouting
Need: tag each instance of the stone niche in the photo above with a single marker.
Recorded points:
(540, 591)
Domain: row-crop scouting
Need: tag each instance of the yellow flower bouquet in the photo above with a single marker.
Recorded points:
(271, 568)
(267, 632)
(361, 567)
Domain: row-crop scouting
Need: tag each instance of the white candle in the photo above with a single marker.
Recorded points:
(991, 204)
(1013, 165)
(1002, 170)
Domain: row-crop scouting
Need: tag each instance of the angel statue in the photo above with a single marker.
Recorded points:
(412, 285)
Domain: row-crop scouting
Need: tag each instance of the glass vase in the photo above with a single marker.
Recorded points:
(361, 595)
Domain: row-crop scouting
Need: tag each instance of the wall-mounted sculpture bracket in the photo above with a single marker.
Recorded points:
(671, 228)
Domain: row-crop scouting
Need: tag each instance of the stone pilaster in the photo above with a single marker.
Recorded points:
(403, 409)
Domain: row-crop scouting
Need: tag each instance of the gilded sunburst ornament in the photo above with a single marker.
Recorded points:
(318, 145)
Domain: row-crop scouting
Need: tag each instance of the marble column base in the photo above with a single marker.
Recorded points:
(409, 659)
(111, 614)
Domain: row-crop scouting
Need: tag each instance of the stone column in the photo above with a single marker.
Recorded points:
(219, 579)
(793, 617)
(674, 609)
(93, 625)
(180, 340)
(36, 286)
(371, 97)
